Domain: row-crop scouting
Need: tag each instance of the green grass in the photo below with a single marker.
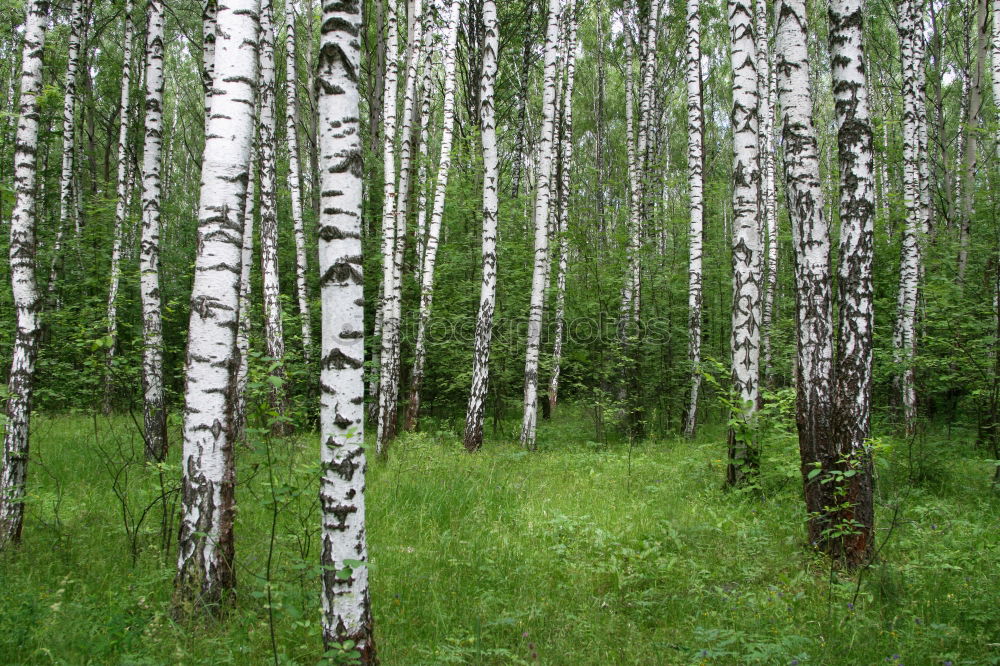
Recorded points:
(577, 554)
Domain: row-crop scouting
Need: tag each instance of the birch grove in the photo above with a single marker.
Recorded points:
(686, 220)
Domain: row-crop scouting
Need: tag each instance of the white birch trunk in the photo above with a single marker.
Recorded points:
(414, 53)
(695, 163)
(419, 236)
(488, 289)
(747, 245)
(14, 472)
(566, 152)
(343, 550)
(437, 215)
(769, 165)
(538, 276)
(972, 117)
(274, 333)
(68, 211)
(294, 181)
(904, 338)
(386, 431)
(811, 240)
(208, 26)
(154, 410)
(122, 197)
(857, 229)
(243, 332)
(205, 567)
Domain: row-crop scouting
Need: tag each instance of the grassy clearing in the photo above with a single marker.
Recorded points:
(577, 554)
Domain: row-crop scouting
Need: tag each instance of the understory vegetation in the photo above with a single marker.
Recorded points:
(584, 552)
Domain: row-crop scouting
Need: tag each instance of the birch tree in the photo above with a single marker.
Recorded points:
(852, 398)
(566, 162)
(488, 289)
(343, 551)
(768, 196)
(205, 567)
(747, 246)
(274, 334)
(695, 164)
(971, 138)
(391, 377)
(811, 240)
(910, 269)
(122, 196)
(389, 204)
(68, 213)
(20, 382)
(154, 409)
(294, 179)
(437, 216)
(540, 271)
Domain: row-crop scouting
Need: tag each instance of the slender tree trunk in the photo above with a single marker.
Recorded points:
(522, 101)
(68, 211)
(208, 25)
(122, 200)
(205, 567)
(852, 398)
(768, 197)
(389, 204)
(413, 60)
(294, 180)
(972, 117)
(437, 215)
(488, 288)
(538, 277)
(154, 410)
(246, 268)
(695, 164)
(14, 472)
(343, 551)
(562, 230)
(426, 85)
(274, 333)
(904, 338)
(747, 245)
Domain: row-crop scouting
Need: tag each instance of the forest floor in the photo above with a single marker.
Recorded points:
(580, 553)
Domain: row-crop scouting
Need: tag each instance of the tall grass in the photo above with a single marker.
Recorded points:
(581, 553)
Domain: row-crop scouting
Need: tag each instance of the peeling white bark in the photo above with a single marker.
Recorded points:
(122, 197)
(154, 410)
(294, 181)
(14, 472)
(538, 277)
(487, 290)
(437, 216)
(343, 544)
(747, 246)
(205, 567)
(695, 164)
